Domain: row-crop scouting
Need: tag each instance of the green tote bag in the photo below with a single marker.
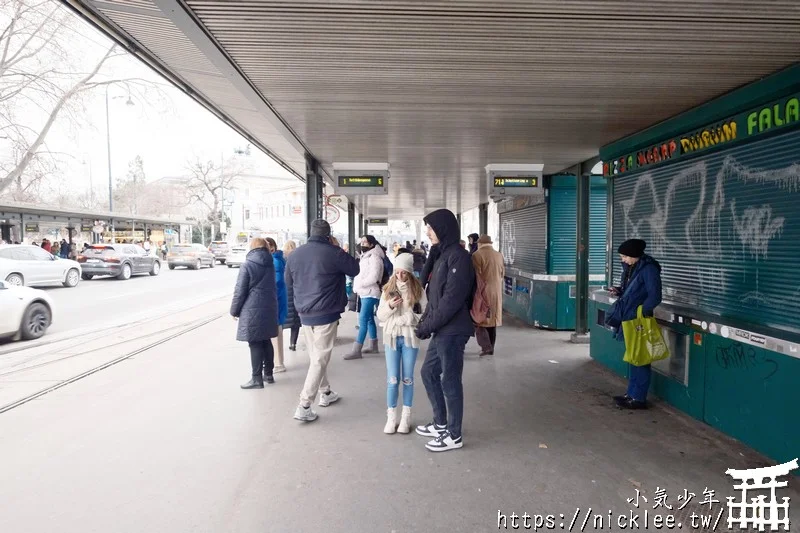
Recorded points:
(644, 343)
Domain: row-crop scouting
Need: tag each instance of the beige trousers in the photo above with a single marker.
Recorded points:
(277, 347)
(319, 342)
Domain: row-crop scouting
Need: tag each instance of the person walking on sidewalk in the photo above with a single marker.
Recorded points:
(402, 304)
(292, 319)
(368, 287)
(315, 275)
(279, 263)
(489, 271)
(255, 306)
(447, 319)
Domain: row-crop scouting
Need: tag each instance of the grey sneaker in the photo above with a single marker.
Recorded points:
(305, 414)
(326, 399)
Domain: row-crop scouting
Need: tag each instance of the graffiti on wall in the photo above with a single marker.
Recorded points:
(692, 221)
(508, 241)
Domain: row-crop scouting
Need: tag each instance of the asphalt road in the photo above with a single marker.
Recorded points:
(108, 301)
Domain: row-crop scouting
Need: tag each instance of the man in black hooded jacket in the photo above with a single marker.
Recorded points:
(447, 319)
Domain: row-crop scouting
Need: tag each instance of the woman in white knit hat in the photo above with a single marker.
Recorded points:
(402, 303)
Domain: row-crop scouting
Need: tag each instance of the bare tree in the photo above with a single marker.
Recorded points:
(41, 80)
(207, 183)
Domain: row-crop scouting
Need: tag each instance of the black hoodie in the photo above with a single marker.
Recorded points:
(452, 281)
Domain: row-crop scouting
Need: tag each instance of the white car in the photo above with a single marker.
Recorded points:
(31, 266)
(27, 313)
(236, 256)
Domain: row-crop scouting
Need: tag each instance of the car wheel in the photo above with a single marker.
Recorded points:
(171, 267)
(72, 278)
(87, 277)
(126, 272)
(198, 265)
(230, 265)
(15, 280)
(156, 268)
(35, 321)
(221, 261)
(213, 263)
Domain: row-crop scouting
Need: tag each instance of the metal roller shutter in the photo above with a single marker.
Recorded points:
(725, 228)
(563, 214)
(523, 238)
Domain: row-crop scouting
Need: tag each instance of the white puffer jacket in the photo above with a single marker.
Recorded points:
(368, 282)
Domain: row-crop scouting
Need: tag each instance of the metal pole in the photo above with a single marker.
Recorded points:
(582, 258)
(110, 182)
(351, 228)
(362, 229)
(313, 192)
(483, 219)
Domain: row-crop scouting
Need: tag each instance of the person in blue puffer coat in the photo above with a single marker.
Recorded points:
(255, 306)
(641, 285)
(279, 262)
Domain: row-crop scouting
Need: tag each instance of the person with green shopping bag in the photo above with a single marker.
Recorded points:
(641, 286)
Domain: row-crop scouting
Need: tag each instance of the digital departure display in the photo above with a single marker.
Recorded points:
(378, 221)
(361, 181)
(500, 181)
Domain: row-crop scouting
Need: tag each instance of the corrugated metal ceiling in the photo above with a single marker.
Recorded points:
(440, 89)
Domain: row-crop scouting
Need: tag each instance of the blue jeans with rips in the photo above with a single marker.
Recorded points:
(400, 364)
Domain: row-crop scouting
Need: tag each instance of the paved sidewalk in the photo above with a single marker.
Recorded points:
(167, 442)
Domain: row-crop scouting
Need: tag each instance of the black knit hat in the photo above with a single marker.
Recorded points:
(320, 228)
(632, 248)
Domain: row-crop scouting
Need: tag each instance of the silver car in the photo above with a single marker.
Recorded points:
(31, 266)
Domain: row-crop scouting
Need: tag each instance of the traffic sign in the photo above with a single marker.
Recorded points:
(331, 214)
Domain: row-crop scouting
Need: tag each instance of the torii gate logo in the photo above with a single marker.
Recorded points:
(760, 513)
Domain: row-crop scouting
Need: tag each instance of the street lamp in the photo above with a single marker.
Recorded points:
(108, 148)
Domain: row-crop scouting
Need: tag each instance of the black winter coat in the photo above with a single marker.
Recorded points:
(255, 299)
(315, 273)
(452, 281)
(292, 318)
(427, 269)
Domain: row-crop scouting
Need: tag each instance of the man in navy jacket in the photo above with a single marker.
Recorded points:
(447, 319)
(315, 277)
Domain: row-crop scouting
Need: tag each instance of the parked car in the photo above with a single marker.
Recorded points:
(236, 256)
(27, 313)
(192, 256)
(119, 260)
(220, 250)
(31, 266)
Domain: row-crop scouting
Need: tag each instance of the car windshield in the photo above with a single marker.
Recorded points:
(238, 250)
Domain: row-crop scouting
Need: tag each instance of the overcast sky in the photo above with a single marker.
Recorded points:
(167, 128)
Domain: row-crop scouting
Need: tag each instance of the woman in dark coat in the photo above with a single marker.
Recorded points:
(292, 318)
(641, 285)
(255, 305)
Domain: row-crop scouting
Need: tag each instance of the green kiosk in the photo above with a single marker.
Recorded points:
(715, 193)
(538, 241)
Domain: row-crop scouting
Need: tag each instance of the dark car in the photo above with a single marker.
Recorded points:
(120, 260)
(220, 250)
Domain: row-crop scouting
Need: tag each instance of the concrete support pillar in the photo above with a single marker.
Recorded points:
(483, 219)
(314, 196)
(581, 334)
(351, 228)
(362, 228)
(458, 218)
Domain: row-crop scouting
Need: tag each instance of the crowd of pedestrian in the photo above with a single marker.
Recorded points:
(445, 293)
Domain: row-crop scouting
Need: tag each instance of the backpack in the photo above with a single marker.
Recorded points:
(388, 268)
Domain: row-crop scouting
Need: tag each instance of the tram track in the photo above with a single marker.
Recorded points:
(179, 330)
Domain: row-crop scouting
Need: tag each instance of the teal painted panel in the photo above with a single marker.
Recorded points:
(562, 227)
(725, 228)
(545, 304)
(752, 395)
(602, 346)
(518, 303)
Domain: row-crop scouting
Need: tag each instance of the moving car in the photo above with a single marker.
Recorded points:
(119, 260)
(236, 256)
(192, 256)
(220, 250)
(27, 313)
(31, 266)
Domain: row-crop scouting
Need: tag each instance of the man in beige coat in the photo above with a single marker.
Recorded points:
(489, 267)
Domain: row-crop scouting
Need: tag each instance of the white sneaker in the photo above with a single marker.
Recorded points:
(279, 369)
(431, 430)
(305, 414)
(405, 420)
(391, 421)
(444, 442)
(326, 399)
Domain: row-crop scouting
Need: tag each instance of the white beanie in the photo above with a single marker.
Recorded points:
(405, 262)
